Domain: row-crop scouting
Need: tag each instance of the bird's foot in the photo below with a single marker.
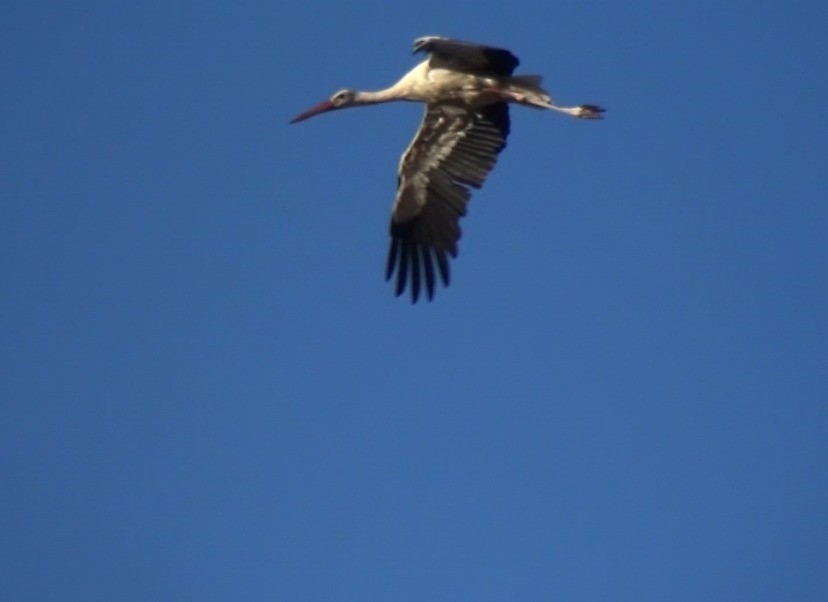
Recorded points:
(590, 112)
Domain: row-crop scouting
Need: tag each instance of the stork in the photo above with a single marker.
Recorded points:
(466, 89)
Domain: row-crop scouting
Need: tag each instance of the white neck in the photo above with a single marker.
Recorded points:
(374, 97)
(404, 89)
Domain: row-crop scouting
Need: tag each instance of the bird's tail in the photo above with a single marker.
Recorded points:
(526, 89)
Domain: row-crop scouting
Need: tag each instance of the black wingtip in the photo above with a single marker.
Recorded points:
(410, 265)
(421, 44)
(415, 272)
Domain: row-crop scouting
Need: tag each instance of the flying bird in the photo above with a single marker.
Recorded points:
(466, 89)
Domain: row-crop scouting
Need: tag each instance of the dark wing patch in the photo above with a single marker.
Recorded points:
(454, 150)
(466, 56)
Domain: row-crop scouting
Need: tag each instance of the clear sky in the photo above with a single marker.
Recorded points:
(210, 393)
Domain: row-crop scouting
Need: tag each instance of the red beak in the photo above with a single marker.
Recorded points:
(322, 107)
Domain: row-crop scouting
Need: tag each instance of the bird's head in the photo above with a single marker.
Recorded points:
(340, 100)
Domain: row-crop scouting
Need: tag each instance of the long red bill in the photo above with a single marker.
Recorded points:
(322, 107)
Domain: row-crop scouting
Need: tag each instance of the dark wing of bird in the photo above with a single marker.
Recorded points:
(454, 150)
(466, 56)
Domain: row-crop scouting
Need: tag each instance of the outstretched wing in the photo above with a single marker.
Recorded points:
(466, 56)
(454, 150)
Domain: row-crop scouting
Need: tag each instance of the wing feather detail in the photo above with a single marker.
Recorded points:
(467, 56)
(454, 150)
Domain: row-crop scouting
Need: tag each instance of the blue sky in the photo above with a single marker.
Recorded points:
(210, 393)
